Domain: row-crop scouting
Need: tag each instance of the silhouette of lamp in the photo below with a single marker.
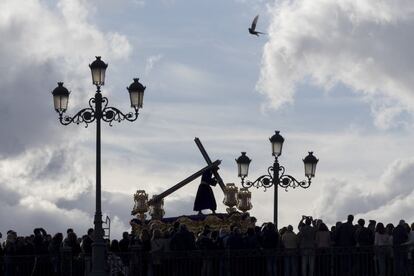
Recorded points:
(156, 209)
(141, 204)
(276, 175)
(230, 197)
(98, 111)
(244, 197)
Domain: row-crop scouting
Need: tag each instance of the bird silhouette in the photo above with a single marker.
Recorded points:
(252, 29)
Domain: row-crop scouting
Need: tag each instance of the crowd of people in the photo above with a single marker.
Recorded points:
(303, 252)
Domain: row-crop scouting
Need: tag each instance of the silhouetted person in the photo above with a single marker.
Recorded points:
(235, 239)
(290, 243)
(270, 241)
(400, 236)
(10, 250)
(72, 242)
(205, 196)
(124, 242)
(383, 243)
(38, 241)
(363, 235)
(54, 249)
(204, 242)
(252, 29)
(124, 248)
(345, 233)
(145, 240)
(182, 240)
(251, 240)
(345, 237)
(307, 243)
(87, 242)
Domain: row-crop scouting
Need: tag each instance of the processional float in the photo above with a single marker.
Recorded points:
(238, 202)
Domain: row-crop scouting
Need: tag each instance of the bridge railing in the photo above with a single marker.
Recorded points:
(333, 261)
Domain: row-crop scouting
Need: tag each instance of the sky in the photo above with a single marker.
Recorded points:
(333, 76)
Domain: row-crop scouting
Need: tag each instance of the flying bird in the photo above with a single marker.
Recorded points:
(252, 29)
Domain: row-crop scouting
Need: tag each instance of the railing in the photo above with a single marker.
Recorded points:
(355, 261)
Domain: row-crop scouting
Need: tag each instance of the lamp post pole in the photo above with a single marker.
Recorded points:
(98, 247)
(100, 111)
(276, 173)
(276, 188)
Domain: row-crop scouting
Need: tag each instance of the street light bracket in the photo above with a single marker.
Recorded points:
(285, 181)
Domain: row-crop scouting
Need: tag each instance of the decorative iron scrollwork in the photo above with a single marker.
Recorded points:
(284, 180)
(88, 115)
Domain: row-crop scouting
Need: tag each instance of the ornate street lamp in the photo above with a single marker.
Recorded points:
(243, 163)
(98, 111)
(276, 175)
(60, 98)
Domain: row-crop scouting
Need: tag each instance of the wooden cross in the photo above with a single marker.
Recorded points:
(208, 160)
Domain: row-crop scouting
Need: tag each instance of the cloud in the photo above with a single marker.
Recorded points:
(365, 45)
(43, 45)
(151, 61)
(386, 200)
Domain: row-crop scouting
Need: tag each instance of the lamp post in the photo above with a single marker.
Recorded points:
(276, 175)
(98, 110)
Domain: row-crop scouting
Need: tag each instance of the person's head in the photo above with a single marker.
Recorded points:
(57, 238)
(72, 237)
(270, 227)
(350, 218)
(125, 235)
(69, 230)
(11, 236)
(114, 247)
(389, 228)
(37, 232)
(289, 228)
(323, 227)
(361, 222)
(402, 222)
(308, 221)
(380, 228)
(90, 231)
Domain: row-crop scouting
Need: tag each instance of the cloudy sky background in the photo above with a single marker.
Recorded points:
(335, 77)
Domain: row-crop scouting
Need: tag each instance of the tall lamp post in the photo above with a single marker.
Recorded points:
(98, 110)
(276, 175)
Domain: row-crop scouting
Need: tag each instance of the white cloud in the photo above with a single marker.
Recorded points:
(150, 63)
(41, 45)
(386, 199)
(366, 45)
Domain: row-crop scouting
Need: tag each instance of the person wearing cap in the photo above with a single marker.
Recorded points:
(205, 196)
